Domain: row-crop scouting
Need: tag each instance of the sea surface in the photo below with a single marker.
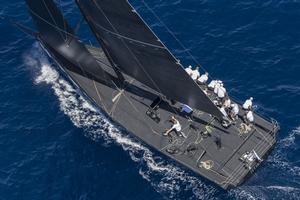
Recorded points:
(55, 145)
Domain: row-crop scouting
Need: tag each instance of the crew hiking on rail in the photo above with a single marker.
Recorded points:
(221, 99)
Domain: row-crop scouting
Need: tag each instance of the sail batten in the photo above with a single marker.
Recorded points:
(139, 53)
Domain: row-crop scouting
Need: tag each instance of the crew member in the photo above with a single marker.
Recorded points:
(248, 104)
(203, 78)
(226, 121)
(249, 118)
(176, 127)
(217, 86)
(212, 84)
(227, 103)
(189, 70)
(221, 91)
(195, 74)
(234, 111)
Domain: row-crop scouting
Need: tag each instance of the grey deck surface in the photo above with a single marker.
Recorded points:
(129, 109)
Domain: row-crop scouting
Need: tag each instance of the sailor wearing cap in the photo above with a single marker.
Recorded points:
(217, 86)
(189, 70)
(203, 78)
(248, 104)
(195, 74)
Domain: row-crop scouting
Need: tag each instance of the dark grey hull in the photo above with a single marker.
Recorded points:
(128, 107)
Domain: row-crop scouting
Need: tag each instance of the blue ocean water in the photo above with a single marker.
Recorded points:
(55, 145)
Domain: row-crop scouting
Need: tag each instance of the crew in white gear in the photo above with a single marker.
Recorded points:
(249, 117)
(189, 70)
(235, 108)
(212, 84)
(195, 74)
(176, 127)
(222, 86)
(227, 103)
(234, 111)
(217, 86)
(221, 91)
(248, 104)
(203, 78)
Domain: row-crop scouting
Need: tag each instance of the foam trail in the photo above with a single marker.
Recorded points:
(285, 189)
(289, 141)
(280, 159)
(166, 178)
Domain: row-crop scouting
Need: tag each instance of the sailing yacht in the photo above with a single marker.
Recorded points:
(136, 80)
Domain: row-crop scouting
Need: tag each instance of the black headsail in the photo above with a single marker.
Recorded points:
(136, 50)
(57, 36)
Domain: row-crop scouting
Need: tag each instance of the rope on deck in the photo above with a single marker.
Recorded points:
(238, 170)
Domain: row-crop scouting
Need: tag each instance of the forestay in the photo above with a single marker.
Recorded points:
(136, 51)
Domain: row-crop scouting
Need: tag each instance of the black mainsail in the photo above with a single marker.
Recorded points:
(57, 35)
(136, 51)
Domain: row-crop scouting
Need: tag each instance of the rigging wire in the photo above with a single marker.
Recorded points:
(173, 35)
(130, 51)
(53, 25)
(53, 19)
(61, 10)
